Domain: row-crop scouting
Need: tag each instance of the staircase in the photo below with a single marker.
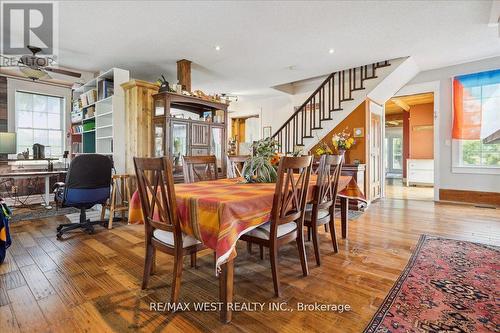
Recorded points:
(333, 95)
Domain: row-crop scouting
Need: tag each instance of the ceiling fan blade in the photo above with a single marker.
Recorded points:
(62, 71)
(33, 73)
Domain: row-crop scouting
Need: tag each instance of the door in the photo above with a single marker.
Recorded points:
(200, 135)
(216, 144)
(179, 144)
(159, 137)
(375, 156)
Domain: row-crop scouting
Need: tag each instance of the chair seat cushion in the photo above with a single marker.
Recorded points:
(264, 230)
(322, 213)
(167, 237)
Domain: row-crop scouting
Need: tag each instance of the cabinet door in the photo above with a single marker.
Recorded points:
(159, 138)
(199, 135)
(217, 144)
(159, 106)
(179, 145)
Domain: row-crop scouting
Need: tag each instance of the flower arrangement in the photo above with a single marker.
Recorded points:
(341, 142)
(262, 166)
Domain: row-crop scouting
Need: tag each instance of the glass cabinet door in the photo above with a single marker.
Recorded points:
(179, 146)
(216, 148)
(159, 106)
(159, 139)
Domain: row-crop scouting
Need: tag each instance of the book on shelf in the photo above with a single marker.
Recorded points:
(83, 100)
(75, 129)
(105, 89)
(88, 98)
(89, 112)
(76, 147)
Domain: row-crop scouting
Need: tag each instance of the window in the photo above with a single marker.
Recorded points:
(476, 115)
(397, 154)
(39, 119)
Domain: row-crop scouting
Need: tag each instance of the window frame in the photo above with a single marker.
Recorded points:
(61, 114)
(457, 165)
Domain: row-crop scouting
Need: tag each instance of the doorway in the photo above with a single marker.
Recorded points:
(244, 131)
(408, 147)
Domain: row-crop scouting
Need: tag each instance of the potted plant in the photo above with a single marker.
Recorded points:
(262, 166)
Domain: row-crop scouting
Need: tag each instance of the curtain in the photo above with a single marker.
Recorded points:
(476, 102)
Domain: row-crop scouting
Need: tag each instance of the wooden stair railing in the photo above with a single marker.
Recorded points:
(326, 99)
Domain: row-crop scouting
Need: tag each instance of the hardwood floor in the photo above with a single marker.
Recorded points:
(92, 283)
(394, 189)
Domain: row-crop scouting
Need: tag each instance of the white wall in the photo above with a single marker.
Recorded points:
(274, 109)
(441, 79)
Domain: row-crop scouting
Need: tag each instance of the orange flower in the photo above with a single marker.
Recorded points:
(275, 159)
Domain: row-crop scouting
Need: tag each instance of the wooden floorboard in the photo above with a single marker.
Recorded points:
(91, 283)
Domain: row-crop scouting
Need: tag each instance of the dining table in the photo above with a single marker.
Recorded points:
(218, 212)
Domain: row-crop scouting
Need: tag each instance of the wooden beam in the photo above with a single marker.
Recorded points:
(184, 74)
(401, 104)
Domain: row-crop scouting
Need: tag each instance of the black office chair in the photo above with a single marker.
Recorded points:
(88, 183)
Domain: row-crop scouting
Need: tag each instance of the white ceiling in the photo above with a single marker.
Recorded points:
(260, 40)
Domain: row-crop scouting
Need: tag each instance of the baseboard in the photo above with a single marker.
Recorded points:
(471, 197)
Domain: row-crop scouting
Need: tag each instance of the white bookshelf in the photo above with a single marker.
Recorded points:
(104, 130)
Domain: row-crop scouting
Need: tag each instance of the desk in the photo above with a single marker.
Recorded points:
(45, 174)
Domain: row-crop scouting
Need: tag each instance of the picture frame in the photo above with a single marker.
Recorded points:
(358, 132)
(266, 132)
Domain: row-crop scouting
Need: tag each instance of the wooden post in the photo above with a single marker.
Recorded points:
(184, 74)
(138, 121)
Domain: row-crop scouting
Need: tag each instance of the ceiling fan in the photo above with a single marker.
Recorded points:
(35, 67)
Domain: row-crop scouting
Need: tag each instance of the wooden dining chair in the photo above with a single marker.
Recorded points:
(287, 215)
(163, 232)
(321, 211)
(235, 165)
(199, 168)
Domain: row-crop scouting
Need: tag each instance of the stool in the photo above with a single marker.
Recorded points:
(115, 204)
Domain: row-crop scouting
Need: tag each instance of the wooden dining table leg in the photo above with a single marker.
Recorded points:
(344, 215)
(226, 290)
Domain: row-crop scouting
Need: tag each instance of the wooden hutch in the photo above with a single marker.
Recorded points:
(188, 125)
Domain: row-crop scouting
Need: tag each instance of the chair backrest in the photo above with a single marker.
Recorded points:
(199, 168)
(328, 173)
(155, 182)
(88, 179)
(290, 193)
(235, 165)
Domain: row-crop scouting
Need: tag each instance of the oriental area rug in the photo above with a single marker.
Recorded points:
(447, 286)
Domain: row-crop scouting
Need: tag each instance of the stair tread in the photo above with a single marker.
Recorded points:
(307, 136)
(316, 128)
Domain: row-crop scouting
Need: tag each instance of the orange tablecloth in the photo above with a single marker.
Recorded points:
(218, 212)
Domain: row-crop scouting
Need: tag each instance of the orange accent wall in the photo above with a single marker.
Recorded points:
(422, 141)
(356, 119)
